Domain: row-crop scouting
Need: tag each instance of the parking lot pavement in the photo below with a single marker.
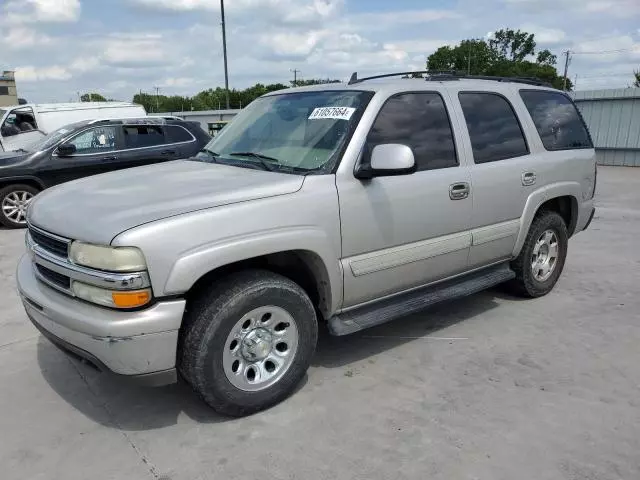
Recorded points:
(488, 387)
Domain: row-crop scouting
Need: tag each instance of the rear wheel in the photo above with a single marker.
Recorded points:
(248, 343)
(542, 257)
(14, 200)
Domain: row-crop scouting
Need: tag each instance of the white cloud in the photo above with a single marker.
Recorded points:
(32, 11)
(20, 38)
(31, 73)
(544, 36)
(288, 11)
(135, 50)
(176, 44)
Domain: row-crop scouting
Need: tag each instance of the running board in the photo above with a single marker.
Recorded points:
(417, 300)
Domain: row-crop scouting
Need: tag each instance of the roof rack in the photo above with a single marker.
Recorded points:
(150, 120)
(447, 75)
(438, 73)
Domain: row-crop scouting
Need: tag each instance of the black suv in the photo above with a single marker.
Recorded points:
(88, 148)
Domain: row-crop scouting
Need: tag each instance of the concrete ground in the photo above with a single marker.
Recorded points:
(488, 387)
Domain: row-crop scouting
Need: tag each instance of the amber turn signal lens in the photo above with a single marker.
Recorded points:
(134, 299)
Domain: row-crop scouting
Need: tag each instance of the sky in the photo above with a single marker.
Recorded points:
(119, 47)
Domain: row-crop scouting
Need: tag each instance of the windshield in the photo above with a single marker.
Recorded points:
(51, 139)
(294, 133)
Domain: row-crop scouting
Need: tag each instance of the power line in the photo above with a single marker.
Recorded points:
(603, 52)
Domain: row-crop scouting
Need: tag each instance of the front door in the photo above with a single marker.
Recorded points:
(400, 232)
(19, 129)
(97, 149)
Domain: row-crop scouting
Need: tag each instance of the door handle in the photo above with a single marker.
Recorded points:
(528, 178)
(168, 152)
(459, 191)
(109, 159)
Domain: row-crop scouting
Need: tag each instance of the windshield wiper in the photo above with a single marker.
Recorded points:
(21, 150)
(265, 160)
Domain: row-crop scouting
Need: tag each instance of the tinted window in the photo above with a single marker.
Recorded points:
(556, 119)
(140, 136)
(4, 90)
(95, 140)
(493, 127)
(420, 121)
(176, 134)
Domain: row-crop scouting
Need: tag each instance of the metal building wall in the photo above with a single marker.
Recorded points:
(613, 118)
(203, 116)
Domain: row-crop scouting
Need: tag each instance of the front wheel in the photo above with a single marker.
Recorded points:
(14, 200)
(248, 342)
(542, 257)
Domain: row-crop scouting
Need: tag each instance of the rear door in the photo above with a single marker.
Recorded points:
(147, 144)
(500, 173)
(97, 149)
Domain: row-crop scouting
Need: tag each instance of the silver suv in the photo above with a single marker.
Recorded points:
(345, 204)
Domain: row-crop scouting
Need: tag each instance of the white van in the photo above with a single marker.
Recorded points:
(21, 125)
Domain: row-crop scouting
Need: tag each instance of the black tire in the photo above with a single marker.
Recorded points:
(525, 284)
(4, 192)
(208, 322)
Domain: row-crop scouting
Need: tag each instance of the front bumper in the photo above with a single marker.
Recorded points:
(139, 344)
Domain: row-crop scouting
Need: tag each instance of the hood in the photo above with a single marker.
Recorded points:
(12, 158)
(96, 209)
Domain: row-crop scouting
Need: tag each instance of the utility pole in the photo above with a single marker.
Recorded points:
(224, 53)
(567, 56)
(157, 99)
(295, 76)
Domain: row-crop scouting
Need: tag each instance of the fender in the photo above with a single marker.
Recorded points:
(4, 181)
(194, 264)
(537, 198)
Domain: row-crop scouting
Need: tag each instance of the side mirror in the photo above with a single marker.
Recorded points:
(66, 150)
(387, 160)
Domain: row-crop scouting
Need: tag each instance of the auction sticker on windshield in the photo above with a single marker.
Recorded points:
(335, 113)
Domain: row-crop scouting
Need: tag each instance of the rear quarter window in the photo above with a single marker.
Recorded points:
(557, 120)
(177, 134)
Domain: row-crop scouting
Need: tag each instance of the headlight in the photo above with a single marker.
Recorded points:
(111, 298)
(111, 259)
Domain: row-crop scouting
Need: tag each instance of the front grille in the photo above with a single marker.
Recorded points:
(54, 277)
(49, 243)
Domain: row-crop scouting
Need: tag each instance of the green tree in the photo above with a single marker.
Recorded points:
(92, 97)
(636, 75)
(513, 45)
(313, 81)
(509, 53)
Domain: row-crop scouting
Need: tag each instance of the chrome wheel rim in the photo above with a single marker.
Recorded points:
(14, 206)
(260, 348)
(545, 256)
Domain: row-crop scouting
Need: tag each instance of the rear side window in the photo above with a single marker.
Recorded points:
(420, 121)
(177, 134)
(493, 127)
(557, 120)
(140, 136)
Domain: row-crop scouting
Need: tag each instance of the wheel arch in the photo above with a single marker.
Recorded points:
(304, 267)
(560, 198)
(31, 181)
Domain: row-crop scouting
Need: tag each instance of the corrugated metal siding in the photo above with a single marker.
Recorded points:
(613, 118)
